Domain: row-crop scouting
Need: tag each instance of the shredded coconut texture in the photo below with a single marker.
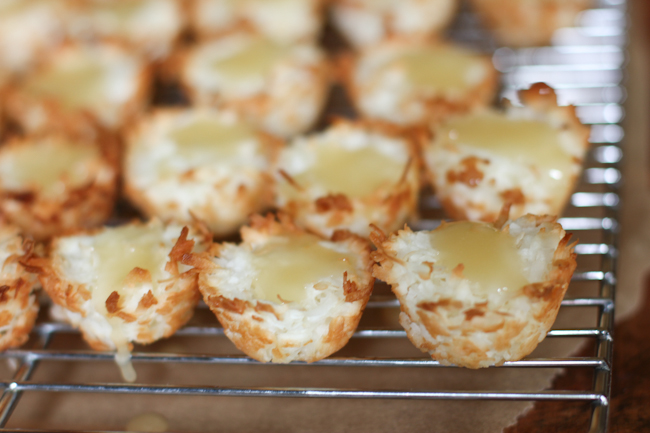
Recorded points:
(445, 316)
(307, 330)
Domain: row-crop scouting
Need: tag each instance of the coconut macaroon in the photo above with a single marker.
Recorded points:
(149, 26)
(286, 295)
(28, 30)
(18, 302)
(123, 285)
(280, 88)
(52, 183)
(474, 295)
(367, 22)
(283, 21)
(412, 82)
(348, 177)
(532, 22)
(79, 87)
(528, 156)
(183, 164)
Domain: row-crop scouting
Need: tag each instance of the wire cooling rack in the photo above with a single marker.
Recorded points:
(585, 65)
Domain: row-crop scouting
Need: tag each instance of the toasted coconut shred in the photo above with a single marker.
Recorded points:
(367, 22)
(529, 157)
(285, 295)
(408, 82)
(348, 177)
(474, 295)
(286, 21)
(53, 183)
(123, 285)
(18, 303)
(199, 163)
(278, 87)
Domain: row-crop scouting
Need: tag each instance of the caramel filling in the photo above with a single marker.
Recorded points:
(355, 173)
(120, 250)
(43, 166)
(441, 68)
(256, 59)
(489, 257)
(524, 141)
(75, 85)
(288, 265)
(122, 353)
(210, 139)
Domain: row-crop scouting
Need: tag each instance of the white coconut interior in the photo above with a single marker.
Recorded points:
(527, 150)
(344, 159)
(280, 20)
(49, 166)
(366, 22)
(285, 20)
(424, 277)
(26, 27)
(223, 154)
(152, 23)
(100, 79)
(392, 78)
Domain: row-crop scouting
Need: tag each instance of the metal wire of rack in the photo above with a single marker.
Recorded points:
(585, 65)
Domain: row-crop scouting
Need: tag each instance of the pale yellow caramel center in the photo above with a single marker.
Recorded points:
(288, 265)
(355, 173)
(210, 139)
(120, 250)
(122, 10)
(75, 85)
(525, 141)
(440, 69)
(44, 166)
(256, 59)
(117, 252)
(489, 257)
